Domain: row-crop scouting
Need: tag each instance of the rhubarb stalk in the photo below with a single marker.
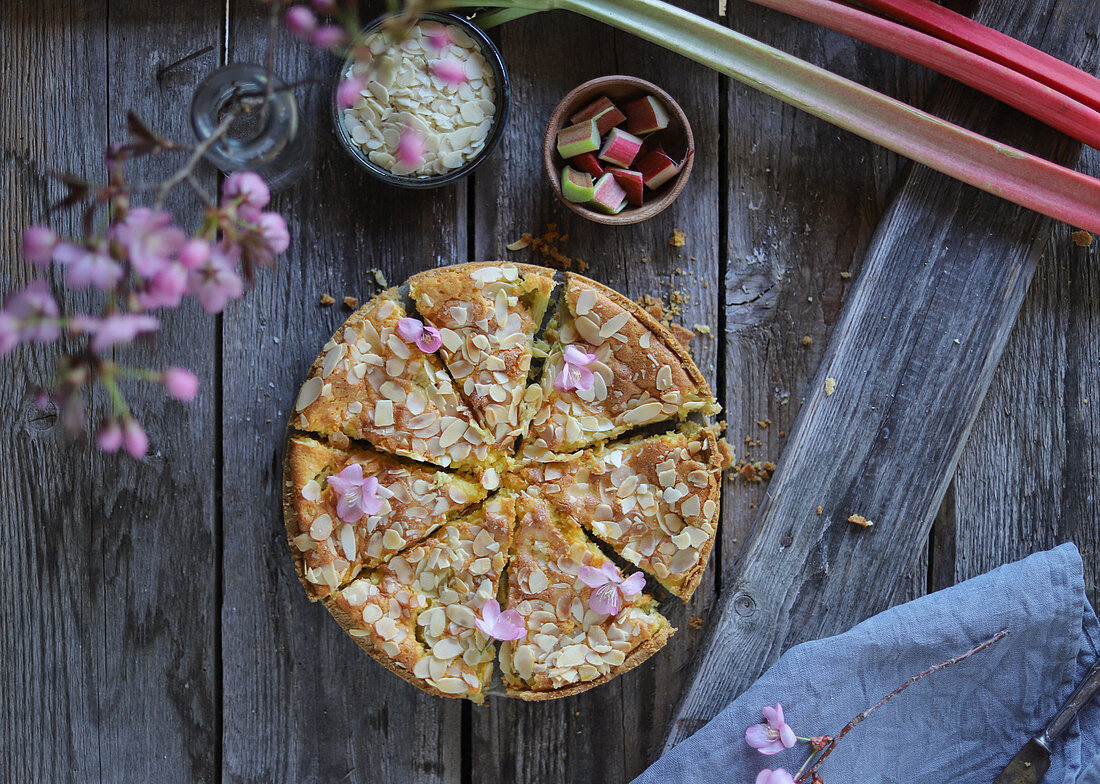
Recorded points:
(994, 45)
(996, 168)
(1005, 84)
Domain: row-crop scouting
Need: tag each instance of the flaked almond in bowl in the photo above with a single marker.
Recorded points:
(421, 106)
(618, 150)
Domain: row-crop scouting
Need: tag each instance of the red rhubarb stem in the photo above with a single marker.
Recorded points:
(1000, 48)
(1012, 87)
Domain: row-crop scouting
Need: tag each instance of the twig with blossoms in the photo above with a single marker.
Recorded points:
(776, 735)
(142, 261)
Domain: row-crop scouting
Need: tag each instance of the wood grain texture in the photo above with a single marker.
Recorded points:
(301, 702)
(612, 732)
(945, 246)
(116, 679)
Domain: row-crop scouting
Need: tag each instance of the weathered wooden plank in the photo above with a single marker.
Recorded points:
(611, 732)
(1030, 475)
(301, 701)
(108, 675)
(911, 390)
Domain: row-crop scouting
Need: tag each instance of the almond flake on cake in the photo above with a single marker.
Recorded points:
(488, 315)
(333, 537)
(569, 647)
(371, 384)
(654, 500)
(613, 369)
(417, 614)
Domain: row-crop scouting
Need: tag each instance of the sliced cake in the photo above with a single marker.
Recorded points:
(614, 368)
(654, 500)
(352, 510)
(370, 383)
(417, 614)
(570, 646)
(488, 315)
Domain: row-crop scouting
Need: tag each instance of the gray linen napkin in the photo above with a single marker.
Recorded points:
(962, 724)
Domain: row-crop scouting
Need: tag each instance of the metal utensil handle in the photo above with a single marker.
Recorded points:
(1082, 694)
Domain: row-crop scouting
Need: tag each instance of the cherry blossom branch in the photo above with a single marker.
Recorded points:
(186, 171)
(808, 774)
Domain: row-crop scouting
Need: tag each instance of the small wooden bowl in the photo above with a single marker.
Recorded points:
(676, 139)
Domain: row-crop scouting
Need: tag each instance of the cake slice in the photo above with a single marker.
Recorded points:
(416, 614)
(636, 374)
(329, 548)
(370, 384)
(569, 647)
(654, 500)
(488, 315)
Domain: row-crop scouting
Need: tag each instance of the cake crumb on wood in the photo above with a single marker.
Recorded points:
(807, 340)
(1081, 238)
(845, 275)
(379, 278)
(830, 386)
(860, 520)
(677, 239)
(351, 303)
(819, 509)
(702, 329)
(327, 299)
(695, 622)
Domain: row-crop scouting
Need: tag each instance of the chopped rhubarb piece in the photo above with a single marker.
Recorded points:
(620, 148)
(577, 186)
(603, 111)
(631, 182)
(609, 196)
(657, 169)
(646, 115)
(588, 162)
(577, 139)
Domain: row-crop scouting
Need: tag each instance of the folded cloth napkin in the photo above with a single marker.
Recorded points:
(961, 724)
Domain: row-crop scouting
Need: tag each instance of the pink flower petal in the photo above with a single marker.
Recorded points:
(510, 626)
(759, 735)
(181, 384)
(371, 503)
(490, 611)
(606, 600)
(134, 439)
(409, 329)
(773, 715)
(438, 38)
(300, 21)
(429, 340)
(574, 356)
(450, 71)
(633, 585)
(349, 91)
(611, 572)
(787, 736)
(592, 577)
(109, 437)
(410, 148)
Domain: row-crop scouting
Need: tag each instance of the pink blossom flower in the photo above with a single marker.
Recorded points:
(194, 254)
(410, 148)
(427, 337)
(116, 328)
(273, 231)
(779, 776)
(300, 21)
(497, 625)
(349, 91)
(357, 495)
(29, 316)
(609, 587)
(449, 71)
(438, 38)
(575, 373)
(181, 383)
(109, 437)
(134, 438)
(38, 245)
(150, 238)
(246, 188)
(216, 281)
(88, 266)
(773, 737)
(165, 289)
(329, 37)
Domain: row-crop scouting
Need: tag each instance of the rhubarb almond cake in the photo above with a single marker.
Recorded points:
(483, 467)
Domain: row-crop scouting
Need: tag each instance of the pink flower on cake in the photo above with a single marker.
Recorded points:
(779, 776)
(497, 625)
(575, 374)
(609, 587)
(426, 337)
(356, 495)
(773, 737)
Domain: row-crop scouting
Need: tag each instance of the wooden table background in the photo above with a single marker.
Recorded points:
(152, 628)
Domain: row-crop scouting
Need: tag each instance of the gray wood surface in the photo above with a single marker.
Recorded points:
(152, 624)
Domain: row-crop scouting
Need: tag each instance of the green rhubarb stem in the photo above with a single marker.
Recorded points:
(1005, 84)
(993, 167)
(994, 45)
